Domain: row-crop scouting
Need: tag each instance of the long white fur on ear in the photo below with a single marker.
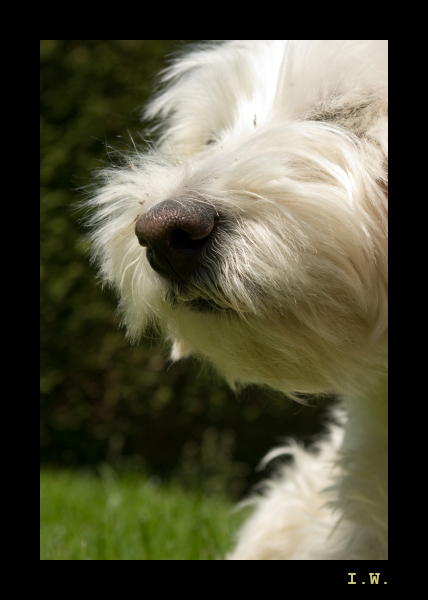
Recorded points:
(180, 349)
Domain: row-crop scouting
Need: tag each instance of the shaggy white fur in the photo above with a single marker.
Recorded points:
(254, 234)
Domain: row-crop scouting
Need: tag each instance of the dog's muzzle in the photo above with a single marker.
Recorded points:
(177, 234)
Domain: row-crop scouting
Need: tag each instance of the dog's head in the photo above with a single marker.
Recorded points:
(254, 234)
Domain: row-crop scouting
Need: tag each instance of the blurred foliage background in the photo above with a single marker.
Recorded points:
(103, 400)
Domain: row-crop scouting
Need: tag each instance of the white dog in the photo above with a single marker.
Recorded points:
(254, 235)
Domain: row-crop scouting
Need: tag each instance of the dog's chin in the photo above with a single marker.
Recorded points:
(181, 298)
(203, 305)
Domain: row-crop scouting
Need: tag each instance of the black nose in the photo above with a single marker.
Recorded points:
(177, 234)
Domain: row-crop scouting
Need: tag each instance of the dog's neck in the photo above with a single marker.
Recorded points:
(363, 488)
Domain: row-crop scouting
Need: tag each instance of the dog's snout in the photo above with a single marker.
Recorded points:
(176, 234)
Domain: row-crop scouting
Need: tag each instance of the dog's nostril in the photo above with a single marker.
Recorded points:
(176, 232)
(180, 240)
(142, 241)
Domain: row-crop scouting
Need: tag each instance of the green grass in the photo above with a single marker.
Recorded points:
(84, 517)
